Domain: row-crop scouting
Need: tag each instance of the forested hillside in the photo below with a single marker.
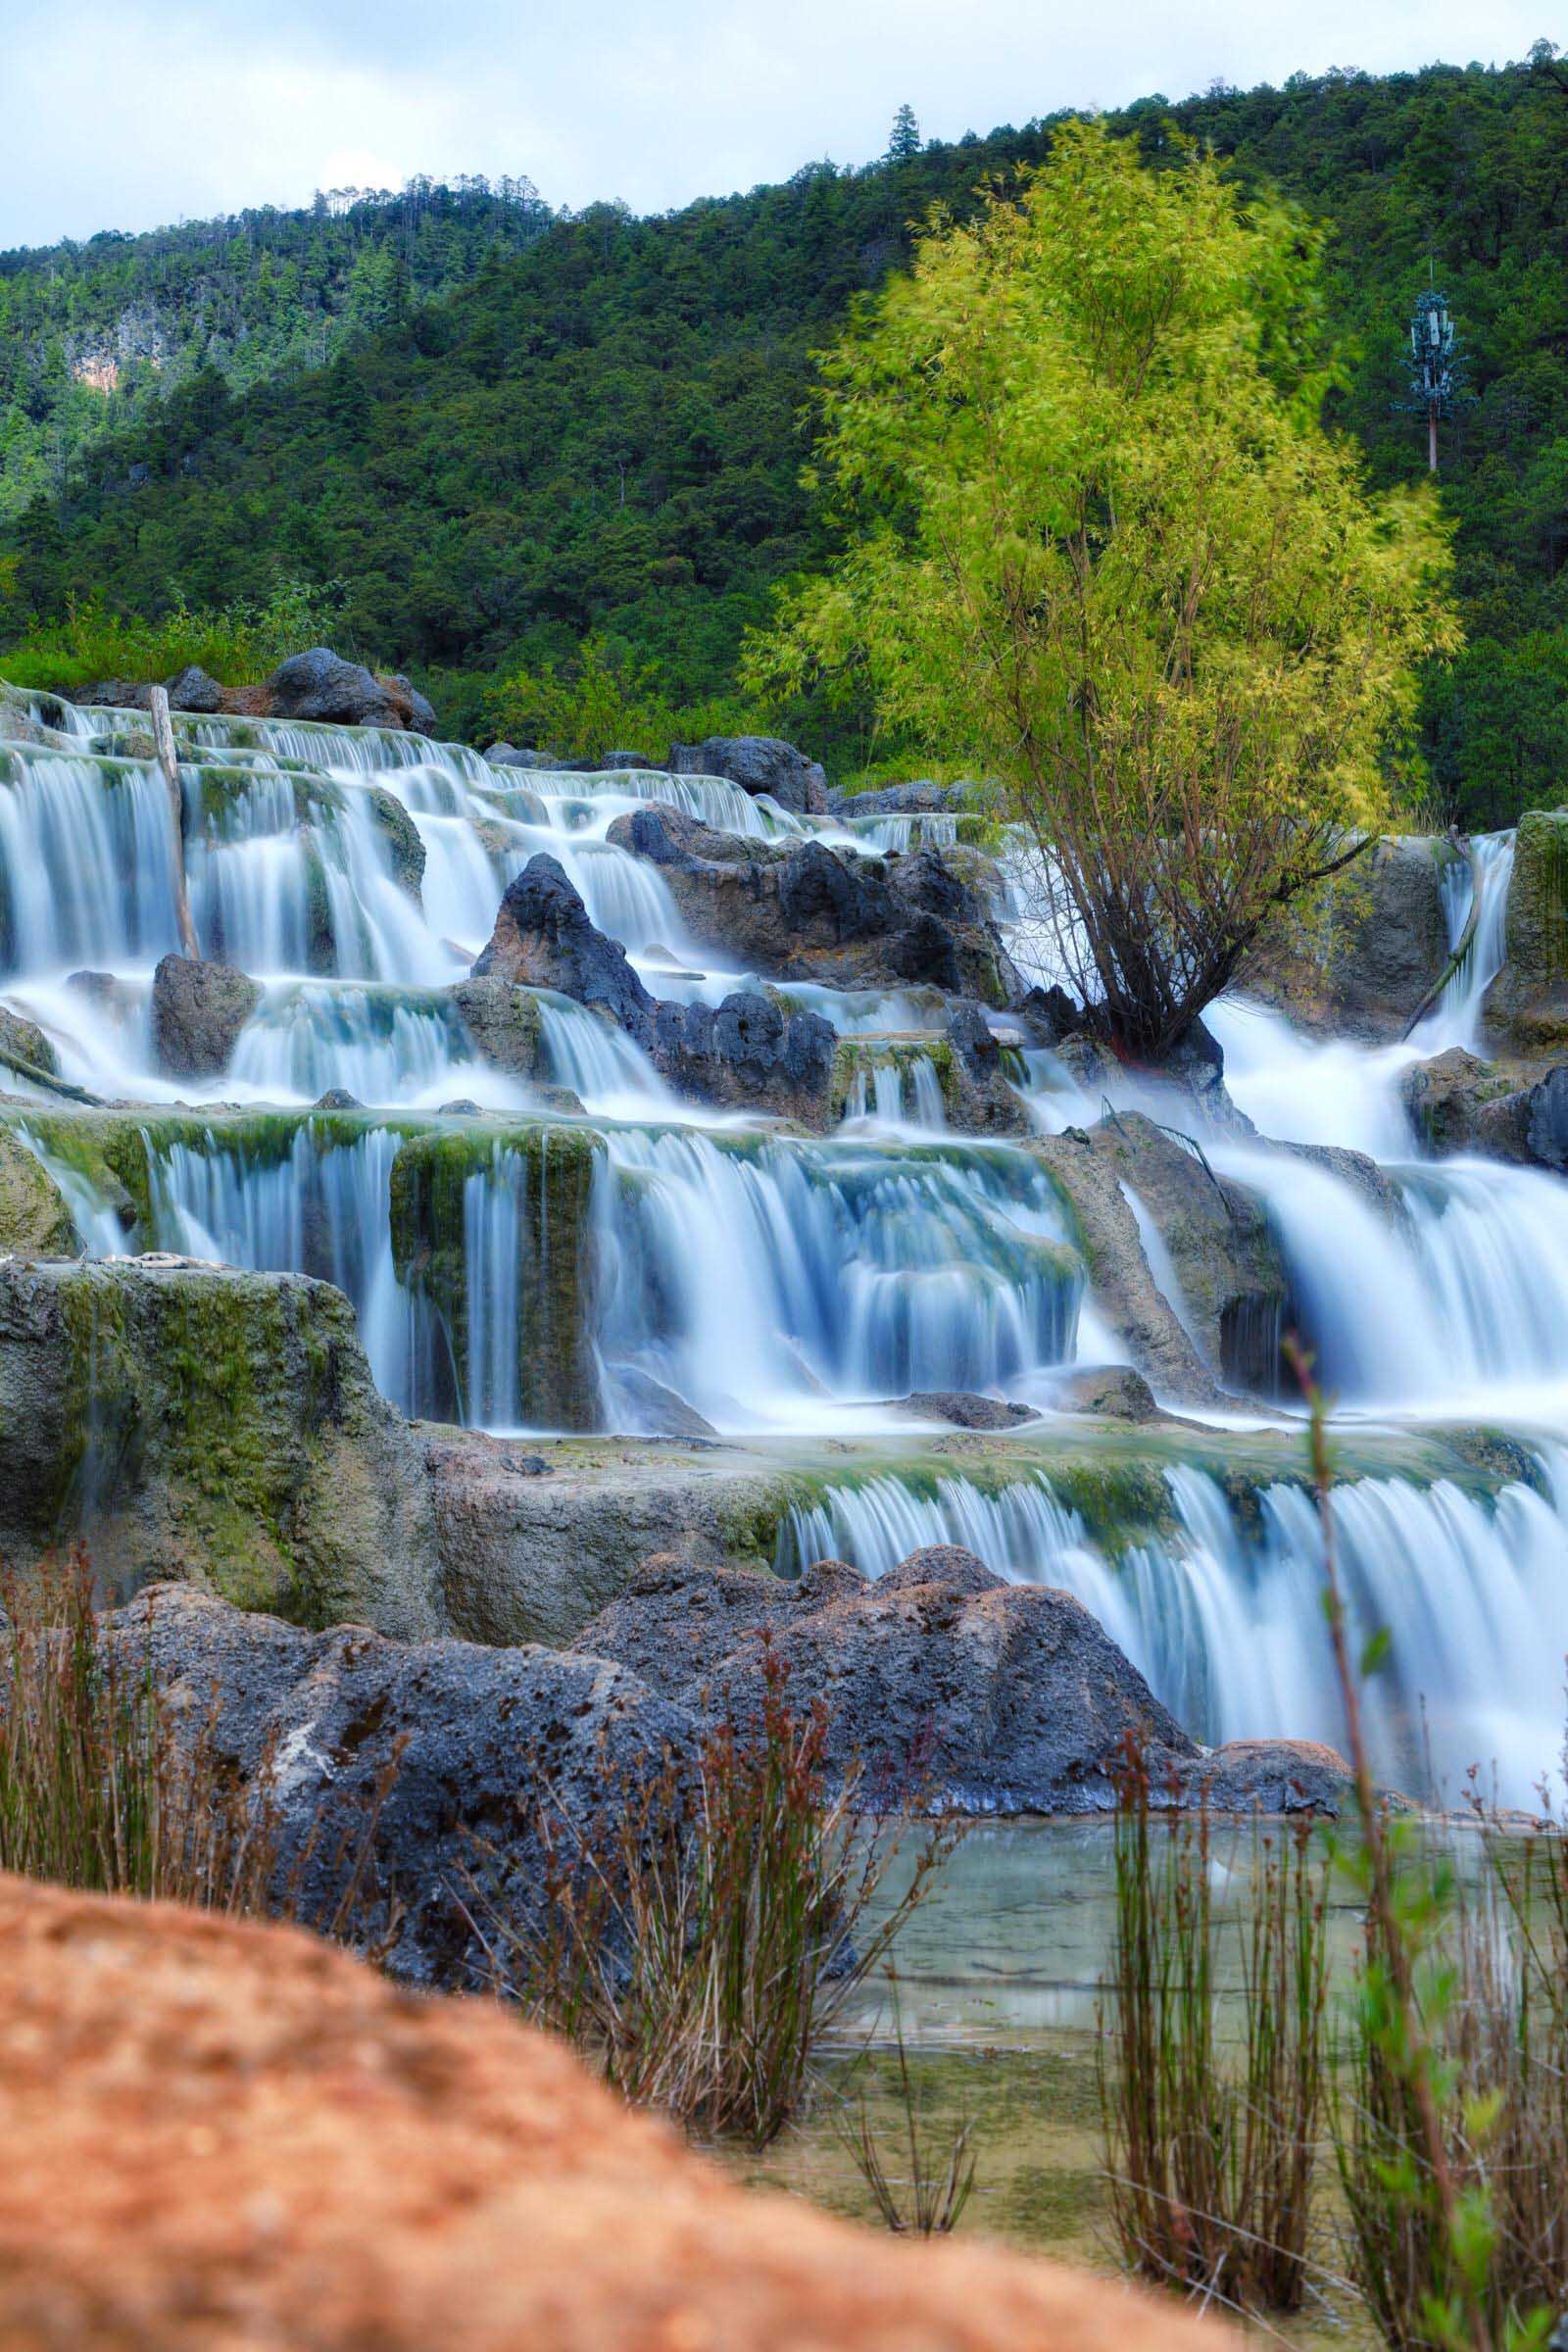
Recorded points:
(604, 433)
(93, 336)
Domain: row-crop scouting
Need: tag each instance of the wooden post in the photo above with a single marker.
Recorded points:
(169, 762)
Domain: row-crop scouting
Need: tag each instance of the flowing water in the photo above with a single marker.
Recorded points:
(773, 1282)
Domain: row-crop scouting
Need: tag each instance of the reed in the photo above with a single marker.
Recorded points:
(98, 1789)
(1210, 2151)
(929, 2202)
(701, 1940)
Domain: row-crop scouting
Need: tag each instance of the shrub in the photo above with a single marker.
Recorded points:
(239, 644)
(1210, 2157)
(699, 1942)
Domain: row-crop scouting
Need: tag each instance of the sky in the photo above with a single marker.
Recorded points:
(140, 111)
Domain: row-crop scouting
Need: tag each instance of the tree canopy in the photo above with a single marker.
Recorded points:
(1097, 539)
(598, 431)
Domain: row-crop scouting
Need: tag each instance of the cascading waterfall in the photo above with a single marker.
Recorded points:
(517, 1266)
(760, 1281)
(1227, 1624)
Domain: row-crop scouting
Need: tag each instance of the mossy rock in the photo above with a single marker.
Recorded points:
(1527, 1004)
(196, 1422)
(34, 1220)
(548, 1173)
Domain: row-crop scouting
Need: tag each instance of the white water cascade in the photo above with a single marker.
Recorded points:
(785, 1287)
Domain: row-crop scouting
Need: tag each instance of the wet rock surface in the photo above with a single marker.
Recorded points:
(946, 1683)
(1233, 1281)
(758, 764)
(225, 2134)
(198, 1010)
(544, 939)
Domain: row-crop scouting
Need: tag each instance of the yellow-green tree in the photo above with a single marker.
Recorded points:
(1097, 539)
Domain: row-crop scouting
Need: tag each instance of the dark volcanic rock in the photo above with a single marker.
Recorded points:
(544, 939)
(322, 685)
(191, 689)
(473, 1746)
(939, 1675)
(757, 763)
(806, 913)
(197, 1012)
(748, 1052)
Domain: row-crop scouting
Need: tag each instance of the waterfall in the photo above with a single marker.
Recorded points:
(759, 1281)
(516, 1268)
(1225, 1617)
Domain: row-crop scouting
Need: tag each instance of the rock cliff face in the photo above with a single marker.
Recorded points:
(1357, 956)
(226, 2135)
(804, 912)
(210, 1425)
(1527, 1004)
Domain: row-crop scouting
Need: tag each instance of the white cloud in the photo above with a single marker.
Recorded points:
(152, 109)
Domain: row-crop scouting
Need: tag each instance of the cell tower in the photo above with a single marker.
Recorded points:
(1436, 367)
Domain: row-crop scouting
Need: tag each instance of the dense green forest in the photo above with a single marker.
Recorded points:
(604, 434)
(94, 336)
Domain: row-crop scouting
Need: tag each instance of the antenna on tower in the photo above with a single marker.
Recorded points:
(1436, 364)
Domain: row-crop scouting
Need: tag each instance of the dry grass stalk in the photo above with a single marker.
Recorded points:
(705, 1934)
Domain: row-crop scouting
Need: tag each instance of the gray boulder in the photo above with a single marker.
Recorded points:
(503, 1022)
(1114, 1392)
(469, 1755)
(979, 1099)
(945, 1682)
(749, 1053)
(507, 755)
(191, 689)
(757, 763)
(544, 939)
(321, 685)
(198, 1010)
(1360, 954)
(1459, 1102)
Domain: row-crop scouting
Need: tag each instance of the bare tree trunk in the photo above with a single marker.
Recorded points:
(169, 762)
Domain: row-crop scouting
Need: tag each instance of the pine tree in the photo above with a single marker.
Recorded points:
(905, 143)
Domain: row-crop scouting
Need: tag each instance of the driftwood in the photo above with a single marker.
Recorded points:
(169, 762)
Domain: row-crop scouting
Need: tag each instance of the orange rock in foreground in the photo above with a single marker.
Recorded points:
(234, 2136)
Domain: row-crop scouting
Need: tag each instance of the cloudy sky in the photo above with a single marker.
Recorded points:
(133, 111)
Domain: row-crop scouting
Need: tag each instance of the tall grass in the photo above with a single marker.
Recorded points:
(705, 1936)
(1210, 2150)
(931, 2200)
(98, 1789)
